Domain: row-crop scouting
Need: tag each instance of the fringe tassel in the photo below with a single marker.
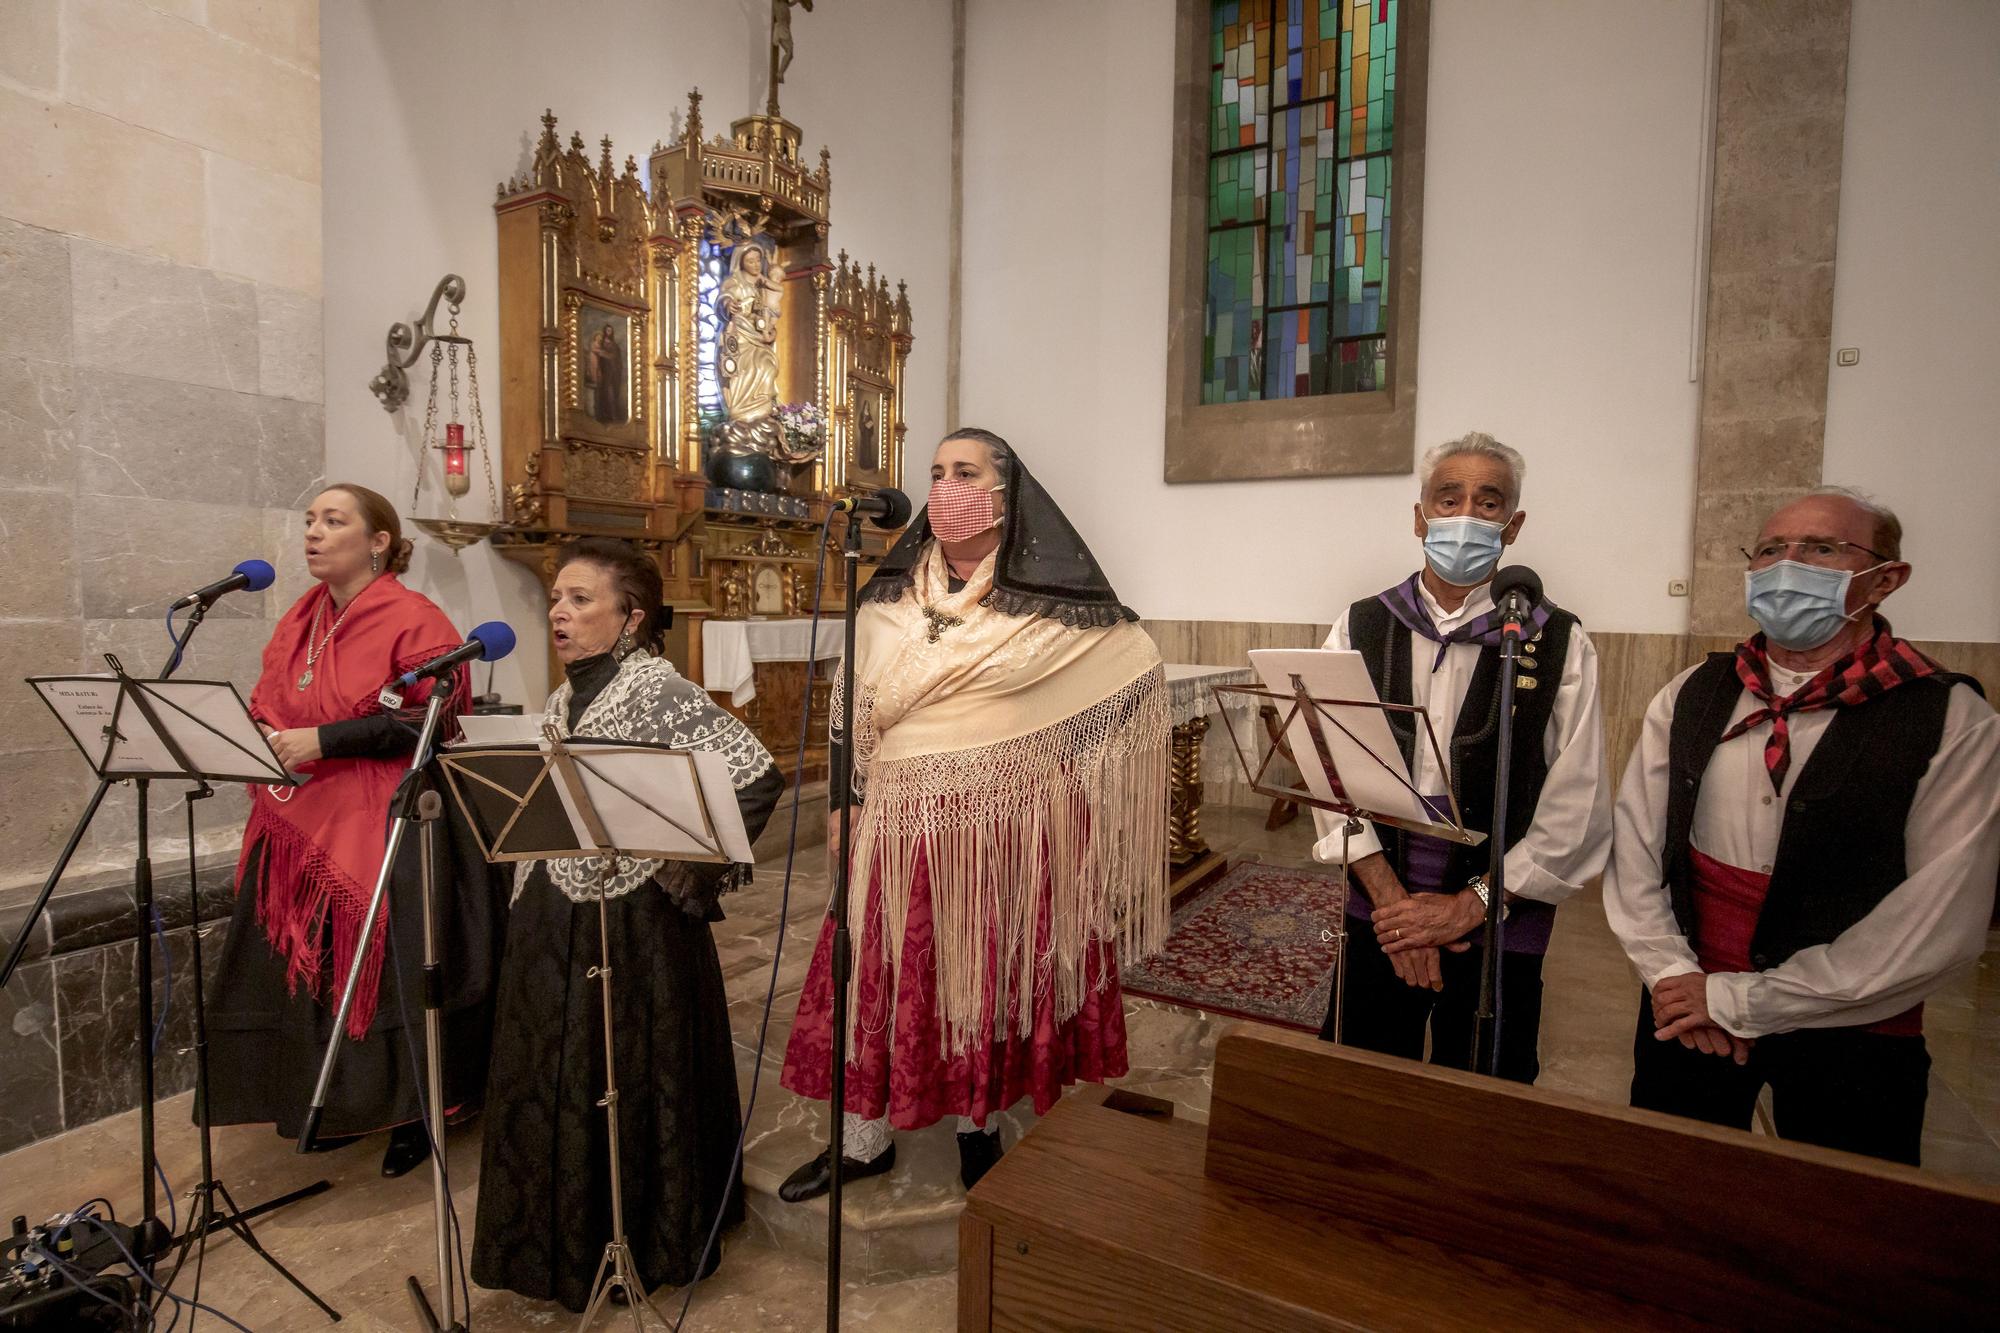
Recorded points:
(1076, 812)
(297, 889)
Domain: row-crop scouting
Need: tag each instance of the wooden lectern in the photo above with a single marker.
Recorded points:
(1338, 1189)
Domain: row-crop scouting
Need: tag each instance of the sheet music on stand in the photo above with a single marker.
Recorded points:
(559, 800)
(167, 729)
(1339, 735)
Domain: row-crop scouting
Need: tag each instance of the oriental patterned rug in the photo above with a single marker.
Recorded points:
(1257, 943)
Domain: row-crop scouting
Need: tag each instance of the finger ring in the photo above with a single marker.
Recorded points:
(1399, 932)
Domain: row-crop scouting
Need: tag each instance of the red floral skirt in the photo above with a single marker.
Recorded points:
(897, 1064)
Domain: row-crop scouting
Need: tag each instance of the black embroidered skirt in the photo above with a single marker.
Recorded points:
(545, 1177)
(267, 1039)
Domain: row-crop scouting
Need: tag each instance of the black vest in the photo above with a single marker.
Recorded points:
(1840, 848)
(1472, 751)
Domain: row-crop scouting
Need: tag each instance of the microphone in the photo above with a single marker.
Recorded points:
(888, 507)
(253, 575)
(487, 643)
(1517, 590)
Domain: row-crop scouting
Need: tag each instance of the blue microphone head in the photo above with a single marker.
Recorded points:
(496, 640)
(257, 575)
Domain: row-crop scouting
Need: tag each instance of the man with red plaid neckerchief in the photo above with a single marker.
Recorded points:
(1805, 847)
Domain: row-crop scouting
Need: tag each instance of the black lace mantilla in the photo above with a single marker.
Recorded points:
(1043, 567)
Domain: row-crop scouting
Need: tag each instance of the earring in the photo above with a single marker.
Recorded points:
(625, 644)
(374, 562)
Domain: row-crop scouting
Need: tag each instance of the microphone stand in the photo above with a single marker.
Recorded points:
(843, 963)
(406, 814)
(151, 1236)
(1486, 1028)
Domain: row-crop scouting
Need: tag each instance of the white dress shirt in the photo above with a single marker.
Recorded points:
(1875, 969)
(1569, 839)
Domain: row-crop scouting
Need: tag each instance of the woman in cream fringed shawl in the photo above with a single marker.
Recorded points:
(1010, 768)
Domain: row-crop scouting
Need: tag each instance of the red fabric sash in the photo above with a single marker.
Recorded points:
(320, 846)
(1728, 901)
(1873, 669)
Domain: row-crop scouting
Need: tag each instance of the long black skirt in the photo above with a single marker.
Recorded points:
(267, 1039)
(545, 1174)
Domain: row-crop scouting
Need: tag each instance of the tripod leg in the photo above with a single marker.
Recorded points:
(233, 1219)
(600, 1291)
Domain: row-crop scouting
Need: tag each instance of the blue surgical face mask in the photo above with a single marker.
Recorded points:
(1799, 606)
(1463, 551)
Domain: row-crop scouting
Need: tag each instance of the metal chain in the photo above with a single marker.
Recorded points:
(430, 425)
(479, 430)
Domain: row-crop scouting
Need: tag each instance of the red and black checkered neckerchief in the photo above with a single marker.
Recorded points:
(1872, 670)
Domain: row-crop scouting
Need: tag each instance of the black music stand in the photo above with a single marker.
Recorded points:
(142, 731)
(618, 800)
(1332, 757)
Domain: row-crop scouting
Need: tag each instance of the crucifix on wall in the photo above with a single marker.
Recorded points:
(781, 44)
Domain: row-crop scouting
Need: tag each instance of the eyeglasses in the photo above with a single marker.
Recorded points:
(1811, 551)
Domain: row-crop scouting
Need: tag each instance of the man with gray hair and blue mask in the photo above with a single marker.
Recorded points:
(1807, 838)
(1418, 914)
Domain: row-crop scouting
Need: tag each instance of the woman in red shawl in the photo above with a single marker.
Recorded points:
(311, 856)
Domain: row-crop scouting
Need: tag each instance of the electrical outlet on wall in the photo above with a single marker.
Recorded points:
(1677, 587)
(1848, 356)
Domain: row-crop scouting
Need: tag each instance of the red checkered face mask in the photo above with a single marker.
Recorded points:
(959, 511)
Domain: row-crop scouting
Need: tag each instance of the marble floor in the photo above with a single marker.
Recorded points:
(357, 1242)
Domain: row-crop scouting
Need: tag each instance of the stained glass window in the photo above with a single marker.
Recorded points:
(712, 265)
(1302, 97)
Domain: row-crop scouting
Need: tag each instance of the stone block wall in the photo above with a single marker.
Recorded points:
(161, 368)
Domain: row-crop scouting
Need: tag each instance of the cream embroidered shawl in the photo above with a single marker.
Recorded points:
(1022, 758)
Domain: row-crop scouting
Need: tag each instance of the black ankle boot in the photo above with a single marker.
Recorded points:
(977, 1152)
(815, 1178)
(409, 1147)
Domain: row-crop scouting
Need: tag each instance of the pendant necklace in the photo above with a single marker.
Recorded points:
(313, 654)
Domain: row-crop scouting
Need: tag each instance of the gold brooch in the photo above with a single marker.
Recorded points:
(939, 622)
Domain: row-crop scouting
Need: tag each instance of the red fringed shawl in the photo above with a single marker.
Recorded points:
(319, 847)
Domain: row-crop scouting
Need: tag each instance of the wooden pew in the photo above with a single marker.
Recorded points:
(1335, 1189)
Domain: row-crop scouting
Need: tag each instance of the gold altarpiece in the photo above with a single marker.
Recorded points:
(640, 338)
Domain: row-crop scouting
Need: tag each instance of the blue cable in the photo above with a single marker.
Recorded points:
(139, 1269)
(160, 1026)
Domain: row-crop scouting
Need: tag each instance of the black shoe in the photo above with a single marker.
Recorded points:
(977, 1152)
(409, 1147)
(814, 1178)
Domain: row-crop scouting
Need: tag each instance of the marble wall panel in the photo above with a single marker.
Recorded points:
(38, 532)
(156, 439)
(287, 30)
(291, 352)
(42, 794)
(97, 1015)
(35, 274)
(138, 315)
(138, 555)
(86, 174)
(289, 438)
(37, 423)
(30, 1066)
(35, 648)
(1773, 229)
(264, 224)
(124, 59)
(31, 43)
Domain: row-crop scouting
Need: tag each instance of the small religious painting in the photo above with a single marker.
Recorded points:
(768, 597)
(603, 361)
(868, 440)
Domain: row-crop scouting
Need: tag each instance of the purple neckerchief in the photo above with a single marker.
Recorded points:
(1406, 602)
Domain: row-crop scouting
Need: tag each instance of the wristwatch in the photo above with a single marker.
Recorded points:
(1479, 886)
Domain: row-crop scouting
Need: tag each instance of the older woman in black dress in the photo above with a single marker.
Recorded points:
(544, 1181)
